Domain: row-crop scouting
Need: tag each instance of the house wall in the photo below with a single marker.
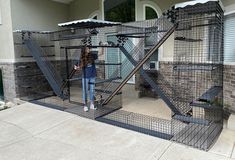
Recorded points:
(45, 15)
(82, 10)
(38, 14)
(229, 6)
(229, 69)
(6, 39)
(7, 50)
(229, 86)
(167, 52)
(24, 15)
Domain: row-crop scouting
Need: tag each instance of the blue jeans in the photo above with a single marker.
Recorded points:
(88, 83)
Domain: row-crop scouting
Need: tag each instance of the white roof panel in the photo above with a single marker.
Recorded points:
(23, 31)
(88, 22)
(194, 2)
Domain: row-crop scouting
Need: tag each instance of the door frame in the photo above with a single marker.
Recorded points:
(121, 54)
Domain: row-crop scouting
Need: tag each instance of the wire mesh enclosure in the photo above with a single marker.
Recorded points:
(198, 73)
(31, 81)
(192, 88)
(53, 56)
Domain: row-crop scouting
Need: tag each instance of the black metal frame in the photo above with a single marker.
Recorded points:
(191, 91)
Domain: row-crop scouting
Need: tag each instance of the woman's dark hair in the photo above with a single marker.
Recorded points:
(86, 59)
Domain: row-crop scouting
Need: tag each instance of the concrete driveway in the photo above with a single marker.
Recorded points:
(33, 132)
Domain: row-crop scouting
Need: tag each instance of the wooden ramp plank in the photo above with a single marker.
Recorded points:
(210, 94)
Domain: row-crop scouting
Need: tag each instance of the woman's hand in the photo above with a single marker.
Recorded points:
(76, 67)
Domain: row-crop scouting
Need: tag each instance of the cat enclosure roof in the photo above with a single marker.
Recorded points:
(88, 23)
(195, 2)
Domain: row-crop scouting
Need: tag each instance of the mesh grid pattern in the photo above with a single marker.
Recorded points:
(193, 91)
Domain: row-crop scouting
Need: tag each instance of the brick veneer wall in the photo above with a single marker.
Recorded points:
(187, 90)
(229, 86)
(29, 80)
(25, 79)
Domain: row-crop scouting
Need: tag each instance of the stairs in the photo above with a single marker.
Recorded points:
(133, 52)
(138, 65)
(50, 73)
(160, 86)
(153, 84)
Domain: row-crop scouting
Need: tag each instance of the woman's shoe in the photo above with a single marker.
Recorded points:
(92, 106)
(85, 108)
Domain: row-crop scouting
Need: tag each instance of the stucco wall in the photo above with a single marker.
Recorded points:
(82, 10)
(7, 51)
(229, 6)
(38, 14)
(6, 39)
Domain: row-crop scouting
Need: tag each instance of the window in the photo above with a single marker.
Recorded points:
(119, 11)
(152, 63)
(229, 38)
(150, 13)
(95, 17)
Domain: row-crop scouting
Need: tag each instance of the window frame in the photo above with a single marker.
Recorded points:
(103, 11)
(94, 14)
(150, 6)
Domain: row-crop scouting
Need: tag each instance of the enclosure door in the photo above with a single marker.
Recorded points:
(114, 55)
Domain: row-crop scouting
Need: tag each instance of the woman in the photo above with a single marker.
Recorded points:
(87, 64)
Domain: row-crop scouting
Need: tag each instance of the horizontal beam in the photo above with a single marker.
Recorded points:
(106, 91)
(106, 80)
(90, 46)
(205, 106)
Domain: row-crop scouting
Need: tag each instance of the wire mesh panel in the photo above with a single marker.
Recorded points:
(198, 73)
(28, 75)
(140, 123)
(194, 91)
(136, 53)
(53, 56)
(104, 50)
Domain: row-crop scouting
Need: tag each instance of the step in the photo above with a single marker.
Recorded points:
(138, 65)
(210, 94)
(189, 119)
(204, 105)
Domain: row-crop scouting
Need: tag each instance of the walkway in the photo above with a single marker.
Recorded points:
(33, 132)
